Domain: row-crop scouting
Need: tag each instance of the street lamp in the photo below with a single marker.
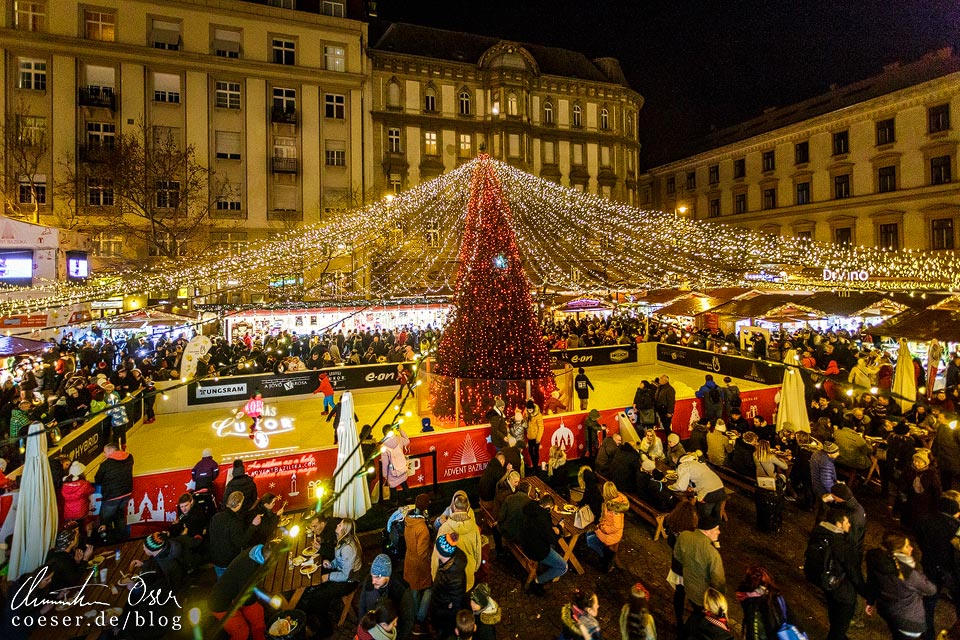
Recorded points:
(679, 211)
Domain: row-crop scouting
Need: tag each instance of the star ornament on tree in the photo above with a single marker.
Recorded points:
(500, 262)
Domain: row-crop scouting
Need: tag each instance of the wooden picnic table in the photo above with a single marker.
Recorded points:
(286, 578)
(112, 593)
(569, 533)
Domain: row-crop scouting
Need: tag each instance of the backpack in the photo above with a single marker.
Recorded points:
(394, 542)
(820, 567)
(715, 396)
(735, 400)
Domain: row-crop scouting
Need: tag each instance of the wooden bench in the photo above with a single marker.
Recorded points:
(644, 510)
(528, 565)
(731, 477)
(348, 606)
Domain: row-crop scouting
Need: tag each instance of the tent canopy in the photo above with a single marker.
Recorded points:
(144, 318)
(660, 297)
(756, 306)
(569, 304)
(922, 324)
(692, 306)
(13, 346)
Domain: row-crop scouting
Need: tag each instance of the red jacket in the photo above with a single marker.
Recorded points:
(76, 499)
(325, 387)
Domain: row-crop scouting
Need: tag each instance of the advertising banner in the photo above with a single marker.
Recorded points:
(596, 356)
(196, 349)
(280, 385)
(755, 402)
(721, 364)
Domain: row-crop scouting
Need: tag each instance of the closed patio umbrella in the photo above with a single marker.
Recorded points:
(793, 399)
(904, 381)
(35, 529)
(353, 495)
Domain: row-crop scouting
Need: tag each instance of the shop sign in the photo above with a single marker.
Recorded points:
(842, 275)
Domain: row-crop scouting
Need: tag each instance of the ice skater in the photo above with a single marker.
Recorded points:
(326, 388)
(254, 409)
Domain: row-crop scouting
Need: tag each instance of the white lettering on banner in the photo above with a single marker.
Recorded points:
(269, 426)
(578, 358)
(89, 444)
(379, 377)
(286, 383)
(619, 355)
(222, 390)
(845, 276)
(469, 458)
(716, 364)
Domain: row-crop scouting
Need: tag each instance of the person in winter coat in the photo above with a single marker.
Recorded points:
(538, 541)
(393, 462)
(692, 473)
(229, 532)
(486, 614)
(711, 397)
(652, 489)
(583, 387)
(855, 453)
(379, 623)
(510, 522)
(946, 450)
(623, 468)
(823, 470)
(416, 560)
(863, 374)
(579, 617)
(710, 623)
(608, 448)
(498, 424)
(651, 447)
(235, 580)
(115, 477)
(343, 576)
(698, 435)
(741, 456)
(900, 449)
(505, 488)
(831, 563)
(643, 404)
(674, 451)
(534, 433)
(717, 442)
(592, 430)
(268, 522)
(941, 560)
(326, 388)
(492, 475)
(118, 414)
(244, 484)
(76, 492)
(205, 472)
(382, 586)
(764, 609)
(920, 490)
(462, 523)
(665, 400)
(609, 529)
(636, 623)
(449, 584)
(896, 586)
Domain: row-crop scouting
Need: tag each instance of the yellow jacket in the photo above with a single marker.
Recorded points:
(535, 425)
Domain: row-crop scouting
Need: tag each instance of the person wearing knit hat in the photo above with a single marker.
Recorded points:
(696, 552)
(823, 474)
(446, 545)
(205, 472)
(379, 586)
(243, 483)
(154, 543)
(381, 567)
(422, 503)
(449, 584)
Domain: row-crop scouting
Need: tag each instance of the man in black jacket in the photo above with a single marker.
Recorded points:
(622, 470)
(449, 585)
(248, 619)
(115, 477)
(229, 533)
(941, 560)
(538, 541)
(244, 484)
(831, 563)
(664, 401)
(492, 474)
(381, 585)
(498, 424)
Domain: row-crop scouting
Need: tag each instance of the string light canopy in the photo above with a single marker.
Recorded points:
(568, 240)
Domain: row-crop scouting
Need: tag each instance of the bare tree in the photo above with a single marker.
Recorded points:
(25, 147)
(152, 189)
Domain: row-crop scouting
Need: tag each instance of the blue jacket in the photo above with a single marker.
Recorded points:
(823, 473)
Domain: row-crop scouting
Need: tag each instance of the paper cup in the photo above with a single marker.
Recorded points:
(103, 576)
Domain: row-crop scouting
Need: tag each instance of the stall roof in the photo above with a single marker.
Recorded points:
(147, 318)
(922, 324)
(831, 303)
(691, 306)
(14, 346)
(571, 304)
(661, 297)
(757, 306)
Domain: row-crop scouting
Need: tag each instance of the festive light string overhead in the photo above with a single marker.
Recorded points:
(568, 240)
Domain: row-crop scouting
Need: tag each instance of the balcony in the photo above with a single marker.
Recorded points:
(280, 115)
(284, 165)
(95, 153)
(101, 97)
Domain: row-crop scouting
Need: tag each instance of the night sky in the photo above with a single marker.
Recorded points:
(703, 63)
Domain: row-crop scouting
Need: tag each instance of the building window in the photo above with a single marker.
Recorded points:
(841, 186)
(513, 145)
(33, 74)
(165, 34)
(841, 143)
(577, 154)
(284, 51)
(393, 94)
(227, 95)
(691, 180)
(713, 174)
(393, 140)
(30, 16)
(886, 132)
(801, 153)
(31, 130)
(769, 161)
(230, 202)
(32, 190)
(889, 236)
(233, 241)
(671, 185)
(283, 4)
(887, 179)
(430, 143)
(938, 118)
(464, 102)
(168, 194)
(548, 112)
(430, 99)
(466, 145)
(166, 88)
(228, 145)
(714, 210)
(740, 203)
(334, 106)
(396, 183)
(99, 25)
(739, 168)
(99, 193)
(770, 198)
(513, 106)
(284, 100)
(940, 170)
(803, 193)
(549, 152)
(433, 233)
(108, 245)
(333, 8)
(577, 116)
(941, 234)
(285, 147)
(226, 43)
(805, 235)
(173, 245)
(335, 153)
(843, 236)
(101, 135)
(334, 58)
(604, 119)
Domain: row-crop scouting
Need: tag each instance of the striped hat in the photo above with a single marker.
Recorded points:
(155, 541)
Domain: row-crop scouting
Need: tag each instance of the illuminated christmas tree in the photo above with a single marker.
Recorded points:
(492, 342)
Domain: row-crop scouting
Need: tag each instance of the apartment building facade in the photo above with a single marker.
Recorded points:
(271, 99)
(873, 164)
(438, 97)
